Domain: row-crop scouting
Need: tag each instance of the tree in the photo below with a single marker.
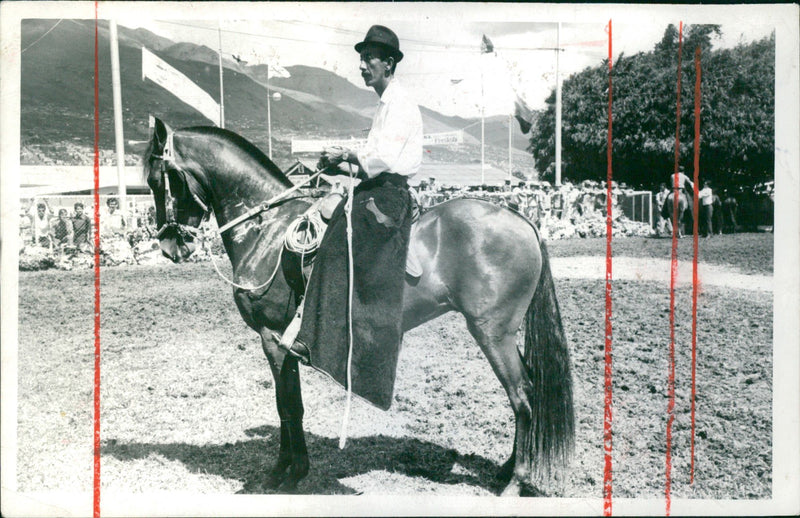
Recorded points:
(737, 114)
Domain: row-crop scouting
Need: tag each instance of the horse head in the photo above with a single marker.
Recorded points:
(180, 199)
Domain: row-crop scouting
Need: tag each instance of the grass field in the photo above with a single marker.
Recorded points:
(188, 402)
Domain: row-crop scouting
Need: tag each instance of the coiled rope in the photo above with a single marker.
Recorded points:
(303, 236)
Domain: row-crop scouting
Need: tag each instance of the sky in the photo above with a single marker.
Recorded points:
(443, 67)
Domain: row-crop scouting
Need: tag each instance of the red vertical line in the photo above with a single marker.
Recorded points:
(672, 282)
(695, 211)
(96, 481)
(607, 430)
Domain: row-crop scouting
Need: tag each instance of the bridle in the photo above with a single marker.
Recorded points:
(167, 158)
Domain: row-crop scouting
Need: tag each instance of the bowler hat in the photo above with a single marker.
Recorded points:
(384, 36)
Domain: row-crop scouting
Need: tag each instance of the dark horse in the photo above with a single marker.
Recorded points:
(481, 260)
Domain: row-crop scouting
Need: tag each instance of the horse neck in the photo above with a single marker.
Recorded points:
(235, 180)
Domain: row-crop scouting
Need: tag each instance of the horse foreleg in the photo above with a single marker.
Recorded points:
(293, 404)
(275, 356)
(506, 471)
(292, 464)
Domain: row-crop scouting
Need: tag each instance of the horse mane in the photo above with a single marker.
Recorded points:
(245, 145)
(227, 137)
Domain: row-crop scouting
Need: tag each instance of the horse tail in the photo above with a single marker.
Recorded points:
(552, 430)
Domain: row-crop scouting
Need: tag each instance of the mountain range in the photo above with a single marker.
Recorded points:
(57, 95)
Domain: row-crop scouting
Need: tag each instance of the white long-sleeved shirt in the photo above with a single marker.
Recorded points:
(706, 196)
(394, 143)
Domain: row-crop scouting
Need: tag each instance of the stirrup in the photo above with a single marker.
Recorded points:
(294, 350)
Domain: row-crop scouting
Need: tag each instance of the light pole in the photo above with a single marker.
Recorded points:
(221, 91)
(269, 117)
(117, 99)
(558, 105)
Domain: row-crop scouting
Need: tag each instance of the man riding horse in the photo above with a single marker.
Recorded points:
(381, 221)
(677, 186)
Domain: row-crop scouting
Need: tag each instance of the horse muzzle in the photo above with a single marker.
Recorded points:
(176, 245)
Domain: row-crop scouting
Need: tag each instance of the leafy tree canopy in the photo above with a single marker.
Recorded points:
(737, 112)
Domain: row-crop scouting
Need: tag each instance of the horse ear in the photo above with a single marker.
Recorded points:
(161, 131)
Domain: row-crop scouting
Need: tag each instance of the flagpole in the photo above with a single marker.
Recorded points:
(269, 116)
(221, 91)
(558, 105)
(510, 122)
(117, 94)
(483, 110)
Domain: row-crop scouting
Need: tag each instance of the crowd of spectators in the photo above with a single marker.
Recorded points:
(65, 232)
(51, 236)
(559, 212)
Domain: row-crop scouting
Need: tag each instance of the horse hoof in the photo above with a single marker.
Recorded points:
(288, 486)
(274, 480)
(513, 489)
(252, 487)
(506, 472)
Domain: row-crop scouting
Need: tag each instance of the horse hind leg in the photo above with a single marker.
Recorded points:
(499, 346)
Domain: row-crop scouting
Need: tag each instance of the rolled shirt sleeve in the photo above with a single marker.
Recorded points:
(394, 143)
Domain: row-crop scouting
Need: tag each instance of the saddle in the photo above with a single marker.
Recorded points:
(304, 235)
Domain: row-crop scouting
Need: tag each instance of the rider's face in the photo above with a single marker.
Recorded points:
(373, 69)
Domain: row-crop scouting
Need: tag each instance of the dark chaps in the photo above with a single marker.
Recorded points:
(381, 220)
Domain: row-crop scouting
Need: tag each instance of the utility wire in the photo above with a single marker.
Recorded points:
(42, 36)
(243, 33)
(442, 47)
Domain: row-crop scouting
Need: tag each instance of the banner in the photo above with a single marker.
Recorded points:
(164, 75)
(316, 146)
(439, 139)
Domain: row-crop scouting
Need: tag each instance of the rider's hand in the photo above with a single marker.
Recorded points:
(334, 155)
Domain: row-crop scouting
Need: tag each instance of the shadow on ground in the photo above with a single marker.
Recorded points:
(248, 461)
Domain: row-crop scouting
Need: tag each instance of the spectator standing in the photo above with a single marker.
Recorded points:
(730, 208)
(716, 218)
(663, 225)
(557, 201)
(706, 197)
(62, 231)
(82, 228)
(112, 219)
(40, 215)
(25, 223)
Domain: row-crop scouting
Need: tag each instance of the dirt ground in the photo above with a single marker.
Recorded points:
(188, 400)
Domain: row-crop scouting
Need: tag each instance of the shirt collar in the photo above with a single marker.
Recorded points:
(391, 92)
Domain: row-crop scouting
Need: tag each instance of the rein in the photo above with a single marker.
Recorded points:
(293, 243)
(265, 206)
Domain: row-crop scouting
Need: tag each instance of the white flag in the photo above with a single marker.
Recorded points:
(164, 75)
(278, 71)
